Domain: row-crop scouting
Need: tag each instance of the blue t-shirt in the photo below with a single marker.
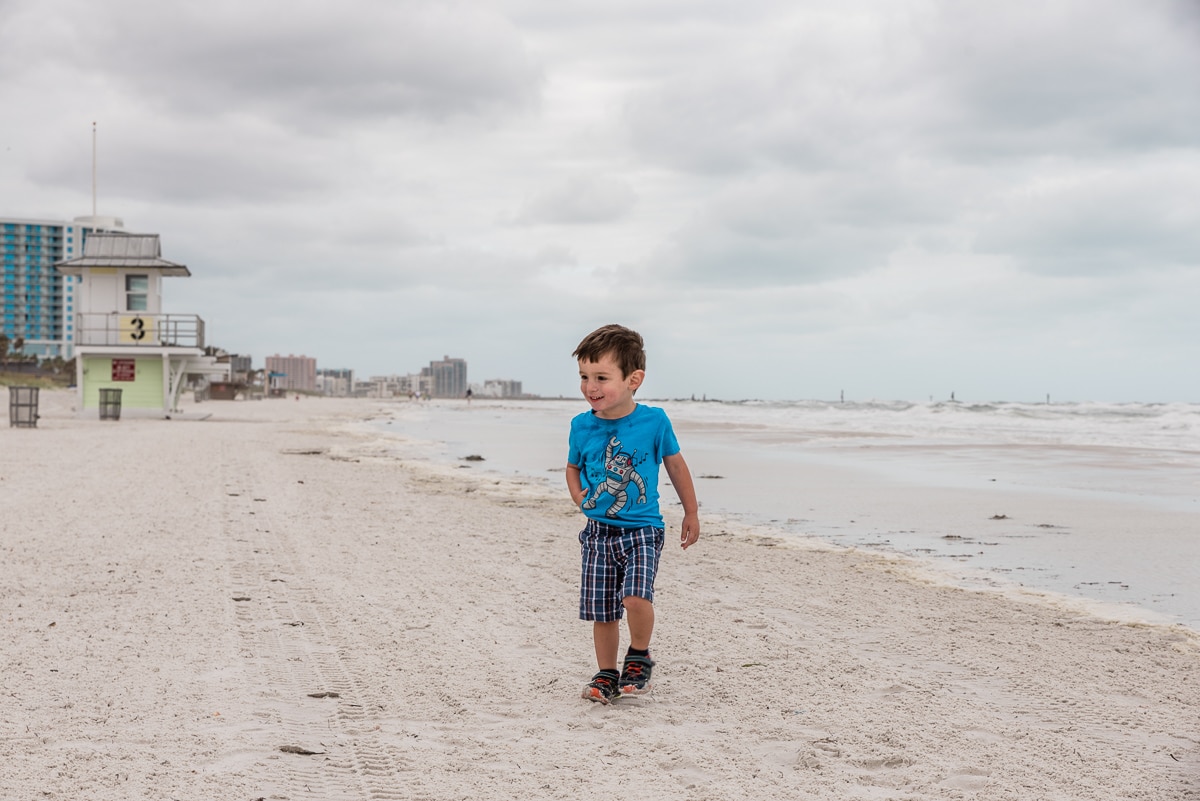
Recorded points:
(618, 464)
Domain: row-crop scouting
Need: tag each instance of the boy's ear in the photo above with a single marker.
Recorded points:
(636, 378)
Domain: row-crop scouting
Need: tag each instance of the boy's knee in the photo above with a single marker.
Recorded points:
(634, 603)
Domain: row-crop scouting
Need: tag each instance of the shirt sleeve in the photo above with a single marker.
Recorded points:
(668, 444)
(574, 452)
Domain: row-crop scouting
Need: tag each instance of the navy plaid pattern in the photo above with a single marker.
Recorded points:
(617, 562)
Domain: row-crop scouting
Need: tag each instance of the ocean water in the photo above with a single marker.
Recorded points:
(1096, 502)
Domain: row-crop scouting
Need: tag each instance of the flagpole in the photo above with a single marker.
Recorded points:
(93, 170)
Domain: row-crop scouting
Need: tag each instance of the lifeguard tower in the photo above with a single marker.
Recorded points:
(123, 340)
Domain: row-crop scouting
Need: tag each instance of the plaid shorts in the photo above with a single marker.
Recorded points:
(617, 562)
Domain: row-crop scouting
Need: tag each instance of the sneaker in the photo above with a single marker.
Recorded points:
(635, 676)
(602, 687)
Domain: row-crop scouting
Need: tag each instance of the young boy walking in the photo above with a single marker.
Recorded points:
(612, 473)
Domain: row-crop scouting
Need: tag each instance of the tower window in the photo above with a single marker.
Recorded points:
(137, 288)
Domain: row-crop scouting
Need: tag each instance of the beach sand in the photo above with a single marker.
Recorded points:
(177, 594)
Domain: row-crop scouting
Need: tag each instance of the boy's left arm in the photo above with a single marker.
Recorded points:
(681, 480)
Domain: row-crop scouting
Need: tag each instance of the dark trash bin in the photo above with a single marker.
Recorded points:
(110, 404)
(22, 407)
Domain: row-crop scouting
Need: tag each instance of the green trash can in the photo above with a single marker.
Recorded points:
(110, 404)
(22, 407)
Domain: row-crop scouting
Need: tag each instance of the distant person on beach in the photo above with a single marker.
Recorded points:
(612, 473)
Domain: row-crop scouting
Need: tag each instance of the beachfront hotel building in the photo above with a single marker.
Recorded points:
(38, 303)
(500, 388)
(447, 378)
(296, 373)
(393, 386)
(337, 382)
(123, 340)
(240, 367)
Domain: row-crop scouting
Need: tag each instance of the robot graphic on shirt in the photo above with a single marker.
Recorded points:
(618, 467)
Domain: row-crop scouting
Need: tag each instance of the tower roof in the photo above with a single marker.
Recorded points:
(119, 249)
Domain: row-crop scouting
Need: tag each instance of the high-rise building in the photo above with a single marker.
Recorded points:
(240, 367)
(501, 388)
(335, 381)
(448, 378)
(38, 304)
(292, 372)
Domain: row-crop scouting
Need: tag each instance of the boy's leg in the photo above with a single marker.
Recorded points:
(641, 567)
(640, 614)
(635, 673)
(607, 639)
(604, 685)
(599, 593)
(638, 600)
(599, 602)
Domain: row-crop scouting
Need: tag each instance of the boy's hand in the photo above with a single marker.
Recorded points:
(690, 530)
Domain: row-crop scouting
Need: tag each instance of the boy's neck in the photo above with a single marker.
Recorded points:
(617, 413)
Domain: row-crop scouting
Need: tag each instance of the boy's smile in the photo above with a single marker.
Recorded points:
(608, 391)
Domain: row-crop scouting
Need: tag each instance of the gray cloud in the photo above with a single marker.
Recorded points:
(801, 229)
(1076, 77)
(183, 165)
(580, 199)
(1125, 218)
(297, 62)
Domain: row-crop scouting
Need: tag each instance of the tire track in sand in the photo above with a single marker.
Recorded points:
(315, 696)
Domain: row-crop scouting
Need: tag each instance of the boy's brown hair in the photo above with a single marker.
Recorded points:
(624, 344)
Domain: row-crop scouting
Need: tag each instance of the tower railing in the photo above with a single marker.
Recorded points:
(139, 329)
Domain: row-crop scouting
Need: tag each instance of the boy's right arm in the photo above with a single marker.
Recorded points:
(575, 485)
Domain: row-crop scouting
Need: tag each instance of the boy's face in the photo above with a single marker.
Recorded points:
(609, 392)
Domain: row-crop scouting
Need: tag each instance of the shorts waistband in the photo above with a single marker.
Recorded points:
(609, 530)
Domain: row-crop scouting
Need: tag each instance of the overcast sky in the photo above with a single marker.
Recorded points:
(897, 199)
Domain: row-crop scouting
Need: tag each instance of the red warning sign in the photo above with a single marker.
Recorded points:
(124, 369)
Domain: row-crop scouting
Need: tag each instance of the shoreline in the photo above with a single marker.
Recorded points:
(433, 608)
(1032, 517)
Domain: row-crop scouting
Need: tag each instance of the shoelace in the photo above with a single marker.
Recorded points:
(633, 670)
